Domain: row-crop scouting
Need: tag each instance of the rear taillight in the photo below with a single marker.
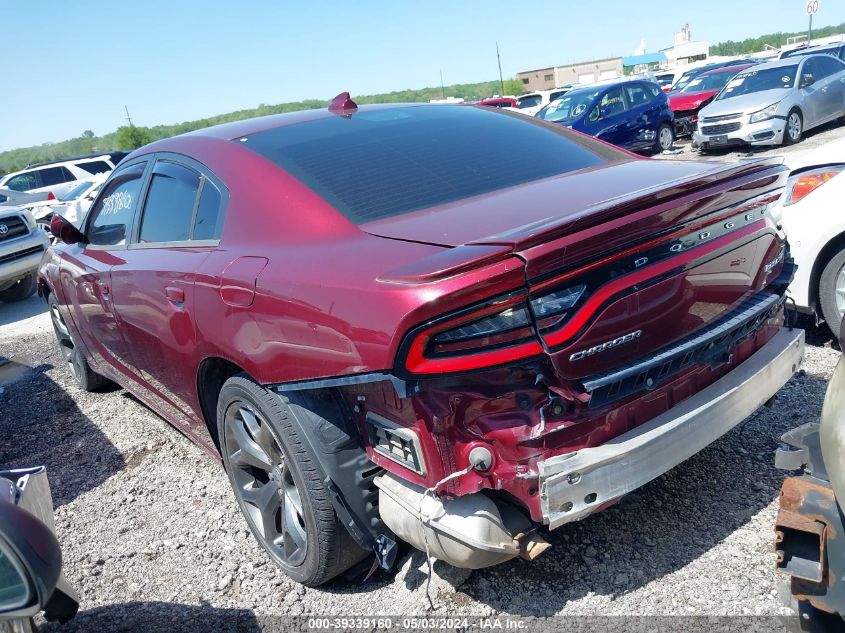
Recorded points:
(494, 333)
(801, 185)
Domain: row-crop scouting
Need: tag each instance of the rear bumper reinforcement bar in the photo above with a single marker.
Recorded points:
(575, 485)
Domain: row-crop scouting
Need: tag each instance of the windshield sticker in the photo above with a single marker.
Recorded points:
(736, 83)
(786, 79)
(116, 203)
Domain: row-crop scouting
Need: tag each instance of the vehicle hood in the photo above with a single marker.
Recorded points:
(832, 152)
(746, 103)
(518, 215)
(690, 100)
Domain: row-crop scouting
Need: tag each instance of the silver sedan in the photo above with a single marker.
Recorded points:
(774, 103)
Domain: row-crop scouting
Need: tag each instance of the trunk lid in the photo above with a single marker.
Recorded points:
(544, 209)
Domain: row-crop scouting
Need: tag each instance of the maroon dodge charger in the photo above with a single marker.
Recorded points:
(449, 325)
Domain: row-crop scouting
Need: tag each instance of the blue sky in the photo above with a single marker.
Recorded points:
(72, 66)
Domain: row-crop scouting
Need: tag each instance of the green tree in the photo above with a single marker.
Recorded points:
(132, 137)
(513, 87)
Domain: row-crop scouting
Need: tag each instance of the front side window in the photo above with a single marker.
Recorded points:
(111, 218)
(169, 207)
(611, 104)
(24, 182)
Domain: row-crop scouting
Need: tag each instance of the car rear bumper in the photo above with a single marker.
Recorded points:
(769, 132)
(574, 485)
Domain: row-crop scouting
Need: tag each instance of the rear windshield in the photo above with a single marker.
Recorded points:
(385, 162)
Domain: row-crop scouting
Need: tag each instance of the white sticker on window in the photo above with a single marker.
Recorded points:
(734, 83)
(116, 203)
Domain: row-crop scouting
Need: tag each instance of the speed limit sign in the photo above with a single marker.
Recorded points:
(812, 7)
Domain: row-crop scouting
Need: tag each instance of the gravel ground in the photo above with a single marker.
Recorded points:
(151, 531)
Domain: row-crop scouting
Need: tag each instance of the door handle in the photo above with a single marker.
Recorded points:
(174, 295)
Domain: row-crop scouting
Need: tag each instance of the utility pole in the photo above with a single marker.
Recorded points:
(127, 115)
(499, 60)
(442, 88)
(810, 30)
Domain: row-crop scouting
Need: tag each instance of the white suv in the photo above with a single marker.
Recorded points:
(21, 247)
(59, 177)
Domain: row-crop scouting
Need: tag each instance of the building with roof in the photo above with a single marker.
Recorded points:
(580, 73)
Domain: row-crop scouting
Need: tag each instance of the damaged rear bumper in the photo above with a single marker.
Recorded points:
(575, 485)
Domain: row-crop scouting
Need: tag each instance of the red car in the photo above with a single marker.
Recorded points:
(500, 102)
(450, 325)
(687, 103)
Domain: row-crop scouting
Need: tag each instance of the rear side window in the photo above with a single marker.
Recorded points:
(385, 162)
(112, 215)
(54, 176)
(637, 94)
(207, 224)
(830, 65)
(169, 207)
(95, 166)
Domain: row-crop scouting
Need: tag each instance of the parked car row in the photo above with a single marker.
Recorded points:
(738, 102)
(30, 199)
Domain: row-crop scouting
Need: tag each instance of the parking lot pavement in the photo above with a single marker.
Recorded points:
(151, 532)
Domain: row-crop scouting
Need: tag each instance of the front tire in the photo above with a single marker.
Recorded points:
(86, 378)
(278, 483)
(794, 130)
(832, 292)
(665, 138)
(20, 290)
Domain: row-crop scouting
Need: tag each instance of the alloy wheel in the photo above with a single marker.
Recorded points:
(793, 126)
(265, 485)
(66, 344)
(839, 292)
(665, 139)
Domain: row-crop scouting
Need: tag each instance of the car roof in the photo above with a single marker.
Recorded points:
(814, 49)
(246, 127)
(780, 63)
(727, 69)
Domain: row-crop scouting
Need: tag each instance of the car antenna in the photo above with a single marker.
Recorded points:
(343, 105)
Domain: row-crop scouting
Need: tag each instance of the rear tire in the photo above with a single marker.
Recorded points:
(86, 378)
(794, 130)
(832, 292)
(278, 484)
(22, 289)
(665, 138)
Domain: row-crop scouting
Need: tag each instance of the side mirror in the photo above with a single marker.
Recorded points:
(65, 231)
(807, 80)
(31, 578)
